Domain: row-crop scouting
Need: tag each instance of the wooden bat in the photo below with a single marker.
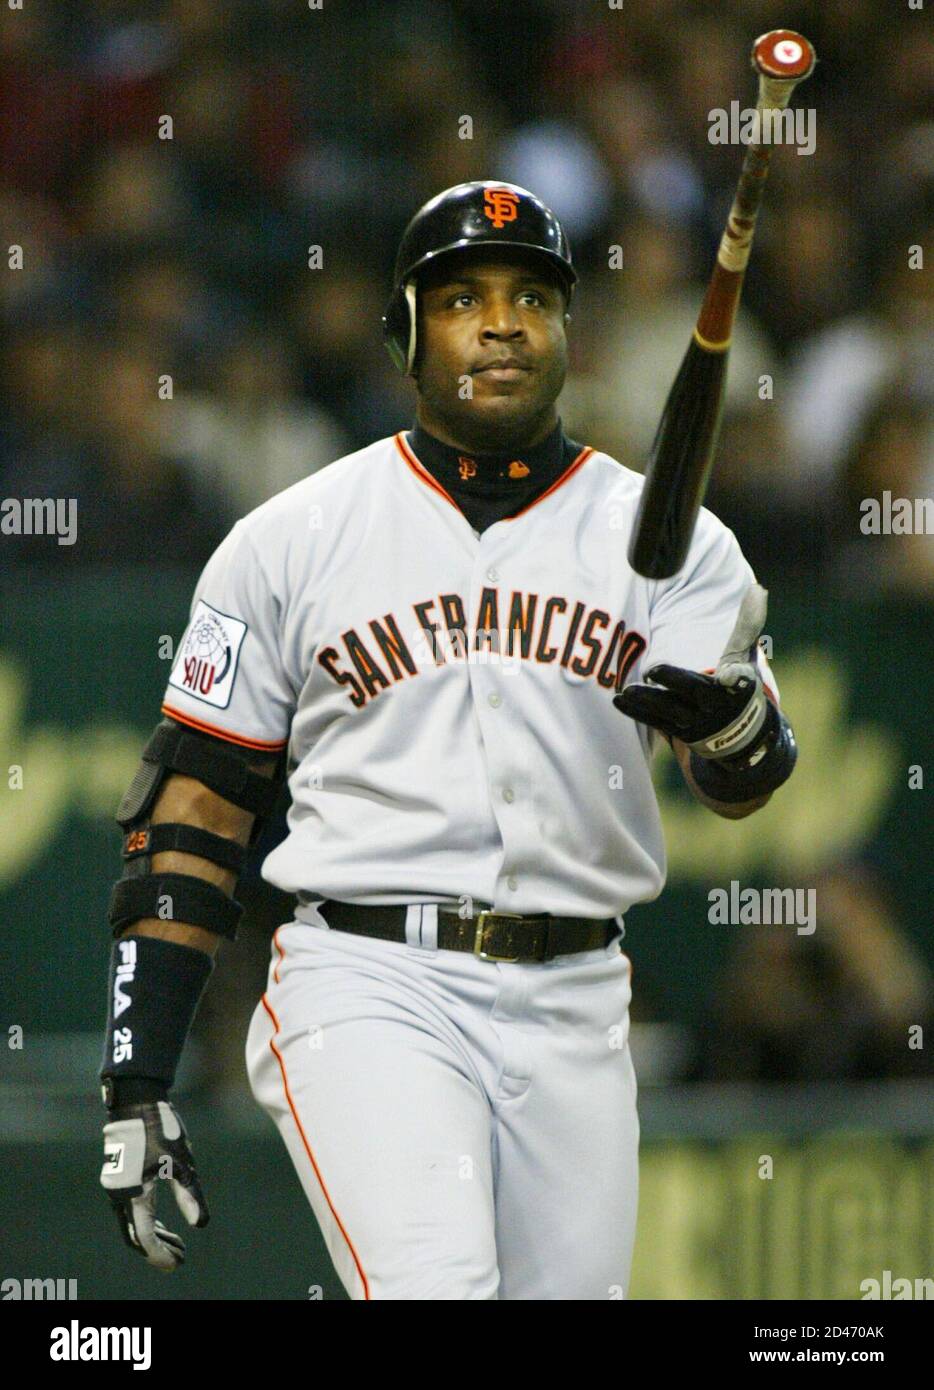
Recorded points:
(685, 442)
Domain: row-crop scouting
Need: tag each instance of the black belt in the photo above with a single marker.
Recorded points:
(498, 936)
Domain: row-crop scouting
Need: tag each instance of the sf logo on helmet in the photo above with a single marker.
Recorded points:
(500, 206)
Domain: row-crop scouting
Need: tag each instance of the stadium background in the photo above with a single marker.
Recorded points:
(145, 258)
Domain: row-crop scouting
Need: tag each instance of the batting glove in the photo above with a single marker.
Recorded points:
(143, 1143)
(722, 716)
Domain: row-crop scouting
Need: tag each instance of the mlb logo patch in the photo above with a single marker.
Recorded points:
(206, 665)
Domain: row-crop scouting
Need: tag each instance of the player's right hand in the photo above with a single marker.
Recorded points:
(143, 1144)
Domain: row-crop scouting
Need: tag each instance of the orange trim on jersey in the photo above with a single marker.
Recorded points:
(259, 743)
(304, 1138)
(422, 473)
(568, 473)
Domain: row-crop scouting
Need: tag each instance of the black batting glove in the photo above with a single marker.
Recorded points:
(725, 716)
(142, 1144)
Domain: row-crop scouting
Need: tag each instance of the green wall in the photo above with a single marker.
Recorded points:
(81, 677)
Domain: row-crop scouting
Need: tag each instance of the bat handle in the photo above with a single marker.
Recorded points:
(782, 59)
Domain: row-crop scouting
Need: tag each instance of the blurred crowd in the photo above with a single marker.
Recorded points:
(823, 1007)
(170, 359)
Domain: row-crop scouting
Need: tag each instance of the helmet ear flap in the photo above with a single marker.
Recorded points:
(410, 298)
(399, 327)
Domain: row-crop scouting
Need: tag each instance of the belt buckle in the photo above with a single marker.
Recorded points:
(478, 935)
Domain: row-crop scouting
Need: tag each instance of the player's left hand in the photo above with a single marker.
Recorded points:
(718, 716)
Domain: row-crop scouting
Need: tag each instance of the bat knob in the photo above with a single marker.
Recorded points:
(783, 53)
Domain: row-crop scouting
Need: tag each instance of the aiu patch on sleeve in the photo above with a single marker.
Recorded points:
(206, 665)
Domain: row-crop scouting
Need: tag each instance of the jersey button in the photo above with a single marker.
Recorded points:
(508, 794)
(512, 882)
(492, 574)
(495, 700)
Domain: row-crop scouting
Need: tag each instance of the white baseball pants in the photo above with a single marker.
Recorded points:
(463, 1129)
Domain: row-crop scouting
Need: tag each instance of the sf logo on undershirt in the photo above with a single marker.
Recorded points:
(467, 468)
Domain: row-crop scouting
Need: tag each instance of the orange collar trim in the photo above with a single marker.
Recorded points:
(422, 473)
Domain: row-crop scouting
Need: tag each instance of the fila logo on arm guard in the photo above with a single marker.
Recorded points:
(124, 975)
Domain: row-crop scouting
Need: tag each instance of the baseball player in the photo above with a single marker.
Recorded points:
(439, 641)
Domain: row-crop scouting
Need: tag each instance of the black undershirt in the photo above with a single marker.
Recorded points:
(488, 487)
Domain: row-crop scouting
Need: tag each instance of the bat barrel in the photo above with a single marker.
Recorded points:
(679, 465)
(685, 443)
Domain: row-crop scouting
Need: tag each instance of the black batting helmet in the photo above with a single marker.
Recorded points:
(485, 213)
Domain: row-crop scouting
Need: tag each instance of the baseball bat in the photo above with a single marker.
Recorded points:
(686, 439)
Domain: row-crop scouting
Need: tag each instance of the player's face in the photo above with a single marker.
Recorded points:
(493, 352)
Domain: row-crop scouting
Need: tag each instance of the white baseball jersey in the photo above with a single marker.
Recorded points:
(446, 696)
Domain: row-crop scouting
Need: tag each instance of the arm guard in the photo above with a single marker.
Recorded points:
(176, 897)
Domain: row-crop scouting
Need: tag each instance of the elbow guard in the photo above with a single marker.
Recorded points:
(175, 897)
